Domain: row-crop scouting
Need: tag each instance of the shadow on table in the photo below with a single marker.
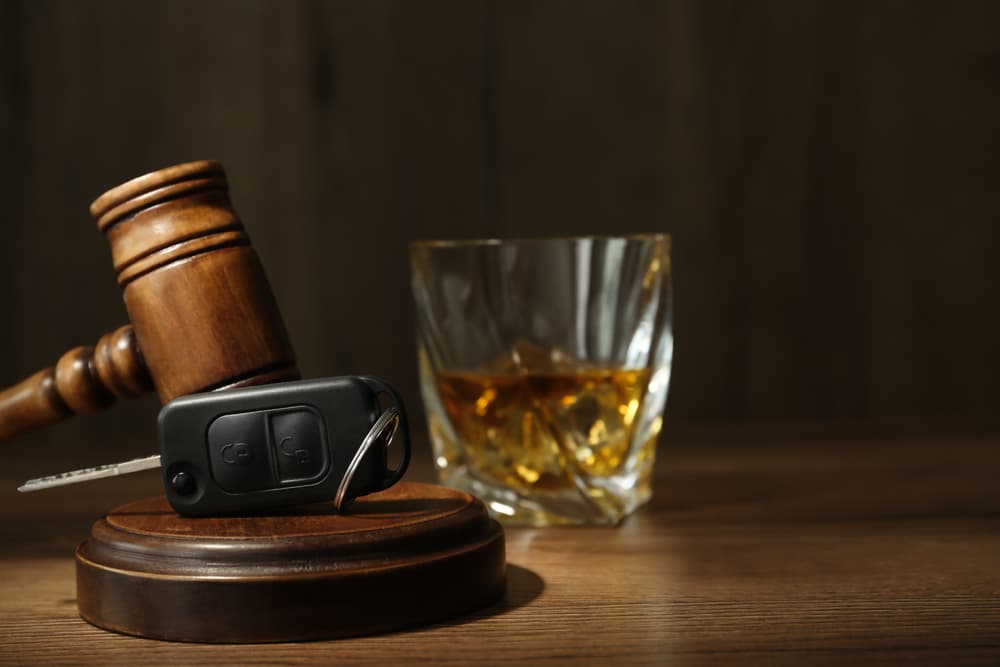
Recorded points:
(523, 587)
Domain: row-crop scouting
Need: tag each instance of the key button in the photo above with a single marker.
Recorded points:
(299, 445)
(237, 448)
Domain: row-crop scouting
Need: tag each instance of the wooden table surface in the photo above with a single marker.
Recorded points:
(817, 549)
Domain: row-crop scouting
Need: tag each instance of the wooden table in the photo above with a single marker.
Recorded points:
(817, 549)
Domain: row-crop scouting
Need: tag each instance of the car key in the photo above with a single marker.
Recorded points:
(269, 446)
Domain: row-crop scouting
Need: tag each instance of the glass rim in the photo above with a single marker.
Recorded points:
(524, 240)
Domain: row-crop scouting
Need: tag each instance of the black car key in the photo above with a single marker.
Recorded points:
(260, 448)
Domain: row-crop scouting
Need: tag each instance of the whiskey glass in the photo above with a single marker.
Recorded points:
(544, 367)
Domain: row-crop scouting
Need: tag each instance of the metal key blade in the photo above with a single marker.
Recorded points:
(87, 474)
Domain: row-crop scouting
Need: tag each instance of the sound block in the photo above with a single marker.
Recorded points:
(407, 556)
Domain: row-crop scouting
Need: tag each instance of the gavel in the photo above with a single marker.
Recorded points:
(203, 316)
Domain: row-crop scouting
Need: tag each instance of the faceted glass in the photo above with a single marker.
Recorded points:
(544, 367)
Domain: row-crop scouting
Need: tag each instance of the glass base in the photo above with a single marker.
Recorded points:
(595, 506)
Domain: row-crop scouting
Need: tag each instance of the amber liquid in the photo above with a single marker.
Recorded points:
(534, 431)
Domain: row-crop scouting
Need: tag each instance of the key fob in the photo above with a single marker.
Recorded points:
(245, 450)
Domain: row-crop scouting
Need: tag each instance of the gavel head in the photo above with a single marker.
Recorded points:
(200, 305)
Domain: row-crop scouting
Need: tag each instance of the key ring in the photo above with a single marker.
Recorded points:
(387, 420)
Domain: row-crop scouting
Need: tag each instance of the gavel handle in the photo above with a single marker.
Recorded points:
(85, 380)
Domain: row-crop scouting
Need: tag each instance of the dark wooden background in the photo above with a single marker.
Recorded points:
(828, 170)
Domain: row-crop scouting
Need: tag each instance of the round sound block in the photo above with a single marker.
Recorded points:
(408, 556)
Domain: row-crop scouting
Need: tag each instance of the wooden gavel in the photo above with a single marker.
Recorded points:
(202, 313)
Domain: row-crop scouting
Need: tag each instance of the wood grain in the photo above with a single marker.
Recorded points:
(756, 549)
(405, 557)
(203, 316)
(827, 170)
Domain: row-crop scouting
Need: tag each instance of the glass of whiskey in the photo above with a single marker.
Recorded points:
(544, 367)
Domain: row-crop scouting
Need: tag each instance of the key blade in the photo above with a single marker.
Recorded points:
(87, 474)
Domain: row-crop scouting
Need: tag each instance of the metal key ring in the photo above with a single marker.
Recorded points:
(387, 420)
